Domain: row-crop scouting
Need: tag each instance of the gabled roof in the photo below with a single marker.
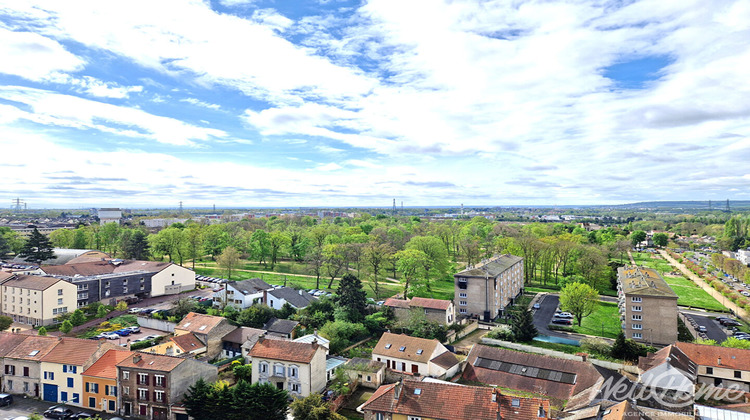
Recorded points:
(623, 411)
(96, 268)
(34, 347)
(242, 334)
(106, 366)
(451, 401)
(298, 299)
(280, 326)
(285, 350)
(558, 378)
(32, 282)
(150, 361)
(404, 347)
(364, 365)
(250, 286)
(396, 303)
(9, 341)
(188, 342)
(446, 360)
(72, 351)
(199, 323)
(715, 356)
(428, 303)
(676, 358)
(309, 338)
(492, 268)
(62, 256)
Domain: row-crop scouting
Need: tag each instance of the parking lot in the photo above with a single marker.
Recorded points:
(26, 406)
(145, 332)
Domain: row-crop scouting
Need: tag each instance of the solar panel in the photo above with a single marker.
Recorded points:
(528, 371)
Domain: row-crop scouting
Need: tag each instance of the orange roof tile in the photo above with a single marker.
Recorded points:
(188, 342)
(725, 357)
(150, 361)
(284, 350)
(390, 345)
(199, 323)
(396, 303)
(106, 366)
(428, 303)
(32, 282)
(33, 347)
(9, 341)
(72, 351)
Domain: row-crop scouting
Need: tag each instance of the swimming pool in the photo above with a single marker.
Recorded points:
(558, 340)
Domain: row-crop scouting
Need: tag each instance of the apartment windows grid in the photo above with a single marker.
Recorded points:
(462, 295)
(637, 335)
(637, 317)
(462, 311)
(462, 302)
(143, 394)
(636, 299)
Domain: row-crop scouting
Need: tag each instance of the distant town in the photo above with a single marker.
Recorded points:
(637, 311)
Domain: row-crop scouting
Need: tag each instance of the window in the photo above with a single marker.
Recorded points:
(159, 396)
(70, 382)
(76, 399)
(92, 402)
(463, 311)
(415, 418)
(294, 388)
(387, 346)
(637, 318)
(369, 378)
(125, 375)
(293, 371)
(637, 335)
(379, 416)
(462, 295)
(111, 405)
(60, 301)
(278, 370)
(402, 348)
(49, 375)
(10, 385)
(10, 370)
(26, 371)
(142, 409)
(635, 299)
(25, 387)
(159, 380)
(143, 394)
(263, 367)
(709, 371)
(462, 302)
(515, 402)
(738, 374)
(143, 378)
(70, 368)
(637, 309)
(59, 292)
(541, 413)
(637, 326)
(126, 390)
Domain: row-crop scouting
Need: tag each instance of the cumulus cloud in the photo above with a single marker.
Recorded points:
(33, 56)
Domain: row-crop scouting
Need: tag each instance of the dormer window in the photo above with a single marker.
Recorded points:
(387, 346)
(515, 402)
(420, 351)
(541, 413)
(402, 348)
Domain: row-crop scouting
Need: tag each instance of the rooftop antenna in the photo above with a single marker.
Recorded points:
(180, 206)
(394, 206)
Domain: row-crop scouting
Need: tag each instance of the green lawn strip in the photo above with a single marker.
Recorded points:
(689, 294)
(604, 322)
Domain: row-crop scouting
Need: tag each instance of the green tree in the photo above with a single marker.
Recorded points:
(194, 242)
(183, 307)
(523, 326)
(637, 237)
(340, 333)
(243, 372)
(267, 402)
(121, 305)
(352, 297)
(579, 299)
(135, 245)
(198, 401)
(627, 349)
(42, 331)
(78, 317)
(313, 407)
(228, 260)
(5, 322)
(660, 239)
(101, 312)
(66, 327)
(37, 248)
(255, 316)
(411, 264)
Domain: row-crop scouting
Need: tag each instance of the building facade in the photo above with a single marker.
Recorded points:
(434, 310)
(36, 300)
(299, 368)
(486, 289)
(414, 355)
(242, 294)
(100, 391)
(648, 306)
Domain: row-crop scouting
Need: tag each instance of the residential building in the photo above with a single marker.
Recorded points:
(669, 369)
(36, 300)
(368, 373)
(562, 379)
(743, 256)
(314, 337)
(149, 384)
(100, 390)
(283, 328)
(486, 289)
(435, 310)
(648, 306)
(208, 329)
(179, 345)
(242, 294)
(722, 367)
(62, 368)
(413, 355)
(424, 400)
(109, 215)
(22, 365)
(299, 299)
(299, 368)
(231, 344)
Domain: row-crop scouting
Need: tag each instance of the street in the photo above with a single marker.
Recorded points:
(26, 406)
(714, 330)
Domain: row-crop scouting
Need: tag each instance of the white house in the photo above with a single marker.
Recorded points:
(297, 298)
(421, 356)
(242, 294)
(299, 368)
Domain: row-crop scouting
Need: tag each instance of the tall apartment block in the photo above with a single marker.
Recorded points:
(484, 290)
(648, 306)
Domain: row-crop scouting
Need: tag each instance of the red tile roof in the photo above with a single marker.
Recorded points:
(446, 360)
(394, 342)
(427, 303)
(32, 282)
(242, 334)
(724, 357)
(9, 341)
(199, 323)
(451, 401)
(149, 361)
(72, 351)
(188, 342)
(33, 347)
(396, 303)
(284, 350)
(106, 366)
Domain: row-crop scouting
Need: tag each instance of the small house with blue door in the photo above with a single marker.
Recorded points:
(22, 374)
(63, 366)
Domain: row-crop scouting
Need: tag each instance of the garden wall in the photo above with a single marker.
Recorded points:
(156, 324)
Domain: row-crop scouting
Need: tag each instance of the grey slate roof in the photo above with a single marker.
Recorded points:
(280, 326)
(250, 286)
(493, 268)
(295, 298)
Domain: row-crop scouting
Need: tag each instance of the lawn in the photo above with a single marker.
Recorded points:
(604, 322)
(688, 293)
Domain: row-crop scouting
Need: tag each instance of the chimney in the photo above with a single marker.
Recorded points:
(300, 292)
(314, 343)
(261, 337)
(719, 361)
(136, 358)
(397, 389)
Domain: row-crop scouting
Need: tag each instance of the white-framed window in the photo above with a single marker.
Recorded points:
(278, 370)
(159, 395)
(60, 301)
(293, 371)
(125, 374)
(462, 302)
(637, 309)
(126, 390)
(379, 416)
(143, 378)
(142, 393)
(637, 326)
(462, 295)
(637, 317)
(159, 380)
(636, 299)
(637, 335)
(415, 418)
(263, 367)
(59, 292)
(463, 311)
(294, 388)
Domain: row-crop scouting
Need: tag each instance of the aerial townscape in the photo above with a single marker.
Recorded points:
(375, 210)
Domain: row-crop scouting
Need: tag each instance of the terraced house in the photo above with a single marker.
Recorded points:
(22, 365)
(100, 382)
(486, 289)
(648, 306)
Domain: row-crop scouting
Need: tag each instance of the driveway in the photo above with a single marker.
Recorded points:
(543, 315)
(714, 331)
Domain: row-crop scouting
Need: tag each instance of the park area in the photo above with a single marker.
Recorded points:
(689, 294)
(604, 322)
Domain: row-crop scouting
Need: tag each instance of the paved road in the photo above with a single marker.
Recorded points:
(714, 331)
(543, 315)
(26, 406)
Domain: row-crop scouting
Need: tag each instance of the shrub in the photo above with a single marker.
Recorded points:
(142, 345)
(501, 332)
(595, 345)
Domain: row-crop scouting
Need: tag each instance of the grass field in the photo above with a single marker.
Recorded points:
(604, 322)
(688, 293)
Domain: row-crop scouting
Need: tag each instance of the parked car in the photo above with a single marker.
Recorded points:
(82, 415)
(134, 310)
(134, 329)
(151, 337)
(564, 315)
(59, 412)
(123, 332)
(731, 323)
(702, 328)
(110, 336)
(5, 400)
(537, 306)
(564, 321)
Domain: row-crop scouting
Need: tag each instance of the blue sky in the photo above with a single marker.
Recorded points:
(354, 103)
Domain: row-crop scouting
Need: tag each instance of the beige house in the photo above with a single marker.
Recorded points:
(722, 367)
(418, 356)
(179, 345)
(208, 329)
(36, 300)
(486, 289)
(648, 306)
(435, 310)
(299, 368)
(22, 371)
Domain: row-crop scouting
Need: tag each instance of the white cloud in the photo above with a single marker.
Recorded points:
(198, 102)
(329, 167)
(34, 57)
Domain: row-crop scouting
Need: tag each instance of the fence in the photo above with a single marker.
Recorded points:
(453, 336)
(531, 349)
(156, 324)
